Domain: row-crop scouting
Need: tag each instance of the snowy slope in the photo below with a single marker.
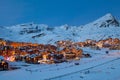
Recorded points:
(100, 66)
(104, 27)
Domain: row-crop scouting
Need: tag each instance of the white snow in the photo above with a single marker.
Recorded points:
(100, 66)
(1, 58)
(64, 32)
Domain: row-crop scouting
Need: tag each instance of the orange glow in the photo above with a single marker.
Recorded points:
(44, 57)
(11, 58)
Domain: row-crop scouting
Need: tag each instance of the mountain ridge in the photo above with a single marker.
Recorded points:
(104, 27)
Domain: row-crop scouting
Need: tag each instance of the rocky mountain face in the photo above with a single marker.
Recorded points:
(106, 21)
(104, 27)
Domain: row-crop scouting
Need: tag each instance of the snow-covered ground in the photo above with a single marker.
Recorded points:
(99, 66)
(104, 27)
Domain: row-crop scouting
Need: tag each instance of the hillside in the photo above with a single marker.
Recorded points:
(102, 28)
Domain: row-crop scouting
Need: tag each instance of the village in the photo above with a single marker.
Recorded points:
(62, 51)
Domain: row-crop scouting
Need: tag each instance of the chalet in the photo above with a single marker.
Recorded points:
(100, 44)
(81, 44)
(116, 41)
(3, 64)
(57, 58)
(33, 58)
(2, 42)
(69, 55)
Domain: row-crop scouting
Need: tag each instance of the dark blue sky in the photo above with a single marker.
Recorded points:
(56, 12)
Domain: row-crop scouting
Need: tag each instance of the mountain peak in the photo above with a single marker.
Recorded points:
(108, 16)
(106, 21)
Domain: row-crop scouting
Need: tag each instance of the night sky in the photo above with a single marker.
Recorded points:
(56, 12)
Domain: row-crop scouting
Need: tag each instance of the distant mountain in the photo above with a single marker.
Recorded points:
(104, 27)
(106, 21)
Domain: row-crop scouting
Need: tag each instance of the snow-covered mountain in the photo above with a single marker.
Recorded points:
(104, 27)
